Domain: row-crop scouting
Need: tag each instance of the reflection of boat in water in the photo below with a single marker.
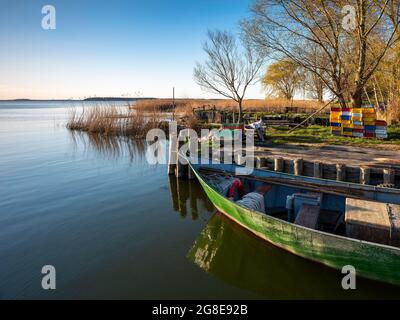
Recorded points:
(235, 256)
(321, 233)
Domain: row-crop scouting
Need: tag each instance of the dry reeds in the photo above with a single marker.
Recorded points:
(270, 105)
(114, 121)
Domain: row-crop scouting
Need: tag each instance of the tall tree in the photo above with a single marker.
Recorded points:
(230, 68)
(283, 78)
(343, 31)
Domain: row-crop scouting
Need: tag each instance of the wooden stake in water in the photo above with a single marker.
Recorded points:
(173, 149)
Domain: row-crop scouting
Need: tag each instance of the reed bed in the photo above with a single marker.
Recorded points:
(268, 105)
(114, 121)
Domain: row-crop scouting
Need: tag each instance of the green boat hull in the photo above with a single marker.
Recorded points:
(372, 261)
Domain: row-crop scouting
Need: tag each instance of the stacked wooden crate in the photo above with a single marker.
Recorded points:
(381, 129)
(347, 125)
(357, 123)
(335, 121)
(369, 118)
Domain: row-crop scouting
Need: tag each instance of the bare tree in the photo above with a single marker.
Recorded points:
(344, 33)
(230, 68)
(313, 86)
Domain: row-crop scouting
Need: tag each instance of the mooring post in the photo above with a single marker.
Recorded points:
(318, 170)
(181, 168)
(388, 176)
(261, 162)
(222, 156)
(298, 167)
(173, 151)
(365, 175)
(341, 172)
(191, 174)
(278, 164)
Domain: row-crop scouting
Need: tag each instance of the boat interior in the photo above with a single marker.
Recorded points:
(328, 212)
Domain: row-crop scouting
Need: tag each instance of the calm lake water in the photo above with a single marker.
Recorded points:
(115, 227)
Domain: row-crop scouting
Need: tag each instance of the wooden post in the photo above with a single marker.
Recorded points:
(261, 162)
(341, 172)
(173, 104)
(248, 161)
(279, 164)
(388, 176)
(181, 168)
(173, 151)
(171, 164)
(191, 174)
(298, 167)
(365, 175)
(318, 170)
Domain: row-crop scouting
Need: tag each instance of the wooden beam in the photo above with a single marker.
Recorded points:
(298, 167)
(318, 170)
(389, 176)
(261, 162)
(365, 175)
(341, 172)
(278, 164)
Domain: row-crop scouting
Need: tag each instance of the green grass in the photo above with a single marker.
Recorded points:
(322, 135)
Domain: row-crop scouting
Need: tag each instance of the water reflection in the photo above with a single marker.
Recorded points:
(188, 197)
(233, 255)
(110, 147)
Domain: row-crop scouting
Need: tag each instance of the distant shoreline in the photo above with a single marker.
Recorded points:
(87, 99)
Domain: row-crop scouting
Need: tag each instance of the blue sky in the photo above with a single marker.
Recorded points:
(109, 48)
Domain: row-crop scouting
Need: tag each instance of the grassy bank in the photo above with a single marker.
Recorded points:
(268, 106)
(318, 135)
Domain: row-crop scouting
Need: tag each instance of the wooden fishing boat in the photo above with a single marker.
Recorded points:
(327, 242)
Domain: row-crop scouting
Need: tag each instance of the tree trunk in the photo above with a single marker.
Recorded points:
(320, 94)
(342, 102)
(356, 98)
(240, 118)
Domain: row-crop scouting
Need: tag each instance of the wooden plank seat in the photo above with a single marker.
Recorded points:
(368, 221)
(308, 216)
(394, 218)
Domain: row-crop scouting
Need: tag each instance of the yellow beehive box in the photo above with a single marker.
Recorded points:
(368, 111)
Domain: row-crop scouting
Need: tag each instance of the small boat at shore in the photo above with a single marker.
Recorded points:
(333, 223)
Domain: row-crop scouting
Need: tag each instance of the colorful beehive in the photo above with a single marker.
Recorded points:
(381, 129)
(369, 118)
(357, 122)
(335, 121)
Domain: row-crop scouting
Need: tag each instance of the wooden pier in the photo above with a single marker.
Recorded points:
(368, 175)
(376, 175)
